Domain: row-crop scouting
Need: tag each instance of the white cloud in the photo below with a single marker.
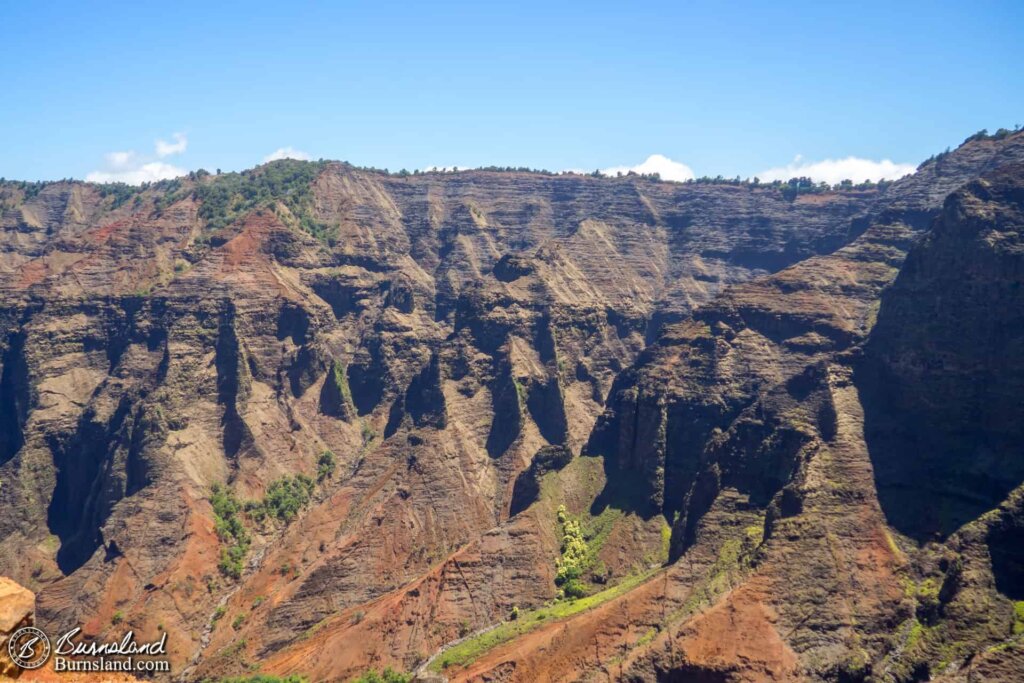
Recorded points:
(165, 149)
(656, 163)
(131, 168)
(119, 160)
(145, 173)
(833, 171)
(287, 153)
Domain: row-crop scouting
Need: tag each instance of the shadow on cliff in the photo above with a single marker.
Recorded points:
(626, 491)
(932, 475)
(941, 379)
(625, 437)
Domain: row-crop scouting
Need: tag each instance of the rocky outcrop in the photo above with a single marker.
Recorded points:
(940, 377)
(17, 610)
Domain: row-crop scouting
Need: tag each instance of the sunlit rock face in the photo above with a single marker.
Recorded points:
(17, 610)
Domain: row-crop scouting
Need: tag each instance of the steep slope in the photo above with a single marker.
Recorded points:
(451, 340)
(763, 425)
(941, 372)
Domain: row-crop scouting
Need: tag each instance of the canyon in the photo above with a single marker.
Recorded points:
(497, 425)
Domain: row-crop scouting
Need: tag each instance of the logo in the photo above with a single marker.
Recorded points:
(29, 648)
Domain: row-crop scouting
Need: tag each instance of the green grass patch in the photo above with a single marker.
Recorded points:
(647, 637)
(733, 558)
(575, 552)
(471, 649)
(1018, 618)
(337, 387)
(915, 634)
(666, 540)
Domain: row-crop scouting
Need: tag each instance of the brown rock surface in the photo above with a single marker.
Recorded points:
(17, 610)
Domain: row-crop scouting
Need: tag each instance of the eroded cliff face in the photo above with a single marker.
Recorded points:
(941, 370)
(702, 375)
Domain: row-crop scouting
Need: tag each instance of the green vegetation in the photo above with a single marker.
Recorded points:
(666, 539)
(325, 466)
(238, 621)
(575, 553)
(734, 557)
(118, 193)
(368, 433)
(916, 633)
(928, 595)
(219, 613)
(983, 134)
(286, 496)
(1018, 618)
(30, 188)
(117, 618)
(794, 187)
(284, 499)
(856, 666)
(580, 547)
(314, 629)
(227, 197)
(235, 650)
(230, 530)
(520, 392)
(338, 389)
(389, 675)
(469, 650)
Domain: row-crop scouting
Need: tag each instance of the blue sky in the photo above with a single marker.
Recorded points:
(729, 88)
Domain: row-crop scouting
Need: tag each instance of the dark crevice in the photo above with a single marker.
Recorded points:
(396, 415)
(231, 371)
(343, 297)
(366, 378)
(689, 673)
(507, 410)
(293, 321)
(424, 399)
(137, 467)
(545, 403)
(334, 398)
(14, 397)
(85, 491)
(1006, 548)
(308, 366)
